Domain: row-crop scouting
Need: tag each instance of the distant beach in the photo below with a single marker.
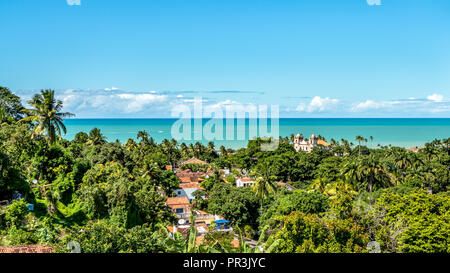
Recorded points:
(397, 132)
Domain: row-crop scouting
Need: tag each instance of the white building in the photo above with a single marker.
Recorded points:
(244, 182)
(307, 145)
(187, 189)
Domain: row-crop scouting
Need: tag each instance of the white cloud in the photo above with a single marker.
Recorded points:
(111, 89)
(73, 2)
(137, 102)
(318, 104)
(369, 104)
(179, 96)
(436, 97)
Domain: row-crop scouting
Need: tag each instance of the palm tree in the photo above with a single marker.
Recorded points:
(446, 142)
(130, 145)
(265, 182)
(359, 139)
(223, 151)
(46, 113)
(184, 151)
(350, 172)
(96, 137)
(170, 148)
(374, 172)
(402, 162)
(292, 138)
(143, 135)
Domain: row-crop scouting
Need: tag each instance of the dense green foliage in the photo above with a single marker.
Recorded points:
(111, 196)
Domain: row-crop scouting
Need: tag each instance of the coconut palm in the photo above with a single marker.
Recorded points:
(223, 151)
(350, 172)
(265, 182)
(96, 137)
(143, 135)
(446, 145)
(46, 116)
(359, 139)
(402, 162)
(372, 170)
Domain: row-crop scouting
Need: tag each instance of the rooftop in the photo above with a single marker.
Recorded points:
(194, 161)
(192, 185)
(323, 143)
(174, 201)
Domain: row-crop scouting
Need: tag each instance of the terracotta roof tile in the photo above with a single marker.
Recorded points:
(194, 161)
(191, 186)
(177, 201)
(323, 143)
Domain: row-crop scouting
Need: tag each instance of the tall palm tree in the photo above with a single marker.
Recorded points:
(350, 172)
(374, 172)
(96, 137)
(359, 139)
(402, 162)
(446, 142)
(143, 135)
(265, 182)
(170, 148)
(292, 138)
(184, 151)
(46, 115)
(223, 151)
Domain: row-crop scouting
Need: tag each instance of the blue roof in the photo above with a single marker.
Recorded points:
(221, 221)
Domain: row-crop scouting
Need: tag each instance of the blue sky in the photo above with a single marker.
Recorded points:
(313, 58)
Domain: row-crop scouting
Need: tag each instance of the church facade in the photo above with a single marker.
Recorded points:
(307, 145)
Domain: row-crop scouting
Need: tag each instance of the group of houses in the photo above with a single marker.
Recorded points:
(181, 204)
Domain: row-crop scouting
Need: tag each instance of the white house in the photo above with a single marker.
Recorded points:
(187, 189)
(244, 182)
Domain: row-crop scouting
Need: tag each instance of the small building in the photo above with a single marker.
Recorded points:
(223, 225)
(180, 206)
(416, 149)
(187, 189)
(244, 182)
(188, 176)
(205, 217)
(194, 161)
(226, 172)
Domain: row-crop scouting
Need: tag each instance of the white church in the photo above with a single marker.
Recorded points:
(307, 145)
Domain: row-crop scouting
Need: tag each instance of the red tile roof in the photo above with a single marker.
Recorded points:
(194, 161)
(246, 179)
(177, 201)
(191, 186)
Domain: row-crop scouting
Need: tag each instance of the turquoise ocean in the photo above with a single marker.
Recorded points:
(397, 132)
